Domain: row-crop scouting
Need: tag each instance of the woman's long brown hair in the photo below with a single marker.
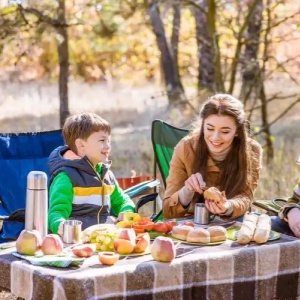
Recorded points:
(235, 167)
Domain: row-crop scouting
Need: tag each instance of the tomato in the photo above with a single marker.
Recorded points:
(160, 227)
(147, 226)
(187, 223)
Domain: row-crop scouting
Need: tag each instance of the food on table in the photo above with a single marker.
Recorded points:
(90, 234)
(198, 235)
(108, 258)
(142, 243)
(125, 243)
(52, 244)
(247, 230)
(188, 223)
(29, 242)
(163, 249)
(84, 250)
(217, 233)
(181, 232)
(128, 219)
(263, 229)
(214, 194)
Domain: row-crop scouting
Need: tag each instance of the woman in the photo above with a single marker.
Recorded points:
(219, 153)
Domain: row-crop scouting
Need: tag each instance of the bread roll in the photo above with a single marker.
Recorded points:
(217, 233)
(181, 232)
(246, 232)
(214, 194)
(198, 235)
(263, 229)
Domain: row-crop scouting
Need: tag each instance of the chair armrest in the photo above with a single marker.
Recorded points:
(3, 213)
(141, 187)
(145, 199)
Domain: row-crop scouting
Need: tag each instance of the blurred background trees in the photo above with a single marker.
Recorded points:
(208, 46)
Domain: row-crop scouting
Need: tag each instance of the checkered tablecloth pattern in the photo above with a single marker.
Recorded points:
(227, 271)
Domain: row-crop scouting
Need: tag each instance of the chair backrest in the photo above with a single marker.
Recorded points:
(164, 138)
(20, 154)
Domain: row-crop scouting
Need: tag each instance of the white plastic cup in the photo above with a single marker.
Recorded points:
(72, 231)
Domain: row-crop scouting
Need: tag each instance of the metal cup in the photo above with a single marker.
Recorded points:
(202, 215)
(72, 231)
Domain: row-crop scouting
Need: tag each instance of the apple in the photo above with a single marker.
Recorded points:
(84, 250)
(52, 244)
(163, 249)
(128, 234)
(29, 242)
(108, 258)
(123, 246)
(142, 243)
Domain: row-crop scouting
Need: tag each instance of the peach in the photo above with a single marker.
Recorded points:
(108, 258)
(124, 246)
(142, 243)
(52, 244)
(83, 250)
(128, 234)
(163, 249)
(29, 242)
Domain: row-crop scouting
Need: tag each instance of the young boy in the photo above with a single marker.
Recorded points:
(289, 221)
(82, 187)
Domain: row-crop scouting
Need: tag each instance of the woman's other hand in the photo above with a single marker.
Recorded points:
(218, 208)
(195, 183)
(294, 221)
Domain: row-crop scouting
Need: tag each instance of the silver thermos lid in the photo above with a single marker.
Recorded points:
(37, 180)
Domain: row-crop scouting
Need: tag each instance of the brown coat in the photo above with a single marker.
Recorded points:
(181, 167)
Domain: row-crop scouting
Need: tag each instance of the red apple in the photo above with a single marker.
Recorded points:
(29, 242)
(84, 250)
(108, 258)
(163, 249)
(52, 244)
(142, 243)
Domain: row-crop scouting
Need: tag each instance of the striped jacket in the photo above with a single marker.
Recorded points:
(79, 191)
(293, 201)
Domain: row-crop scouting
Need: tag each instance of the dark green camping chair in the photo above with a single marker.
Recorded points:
(164, 138)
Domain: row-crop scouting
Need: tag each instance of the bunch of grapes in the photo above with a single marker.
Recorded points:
(104, 239)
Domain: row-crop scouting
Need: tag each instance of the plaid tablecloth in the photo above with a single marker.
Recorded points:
(227, 271)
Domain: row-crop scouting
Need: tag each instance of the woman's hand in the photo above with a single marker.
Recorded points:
(294, 221)
(219, 207)
(195, 183)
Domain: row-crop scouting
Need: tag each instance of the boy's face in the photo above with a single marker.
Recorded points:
(96, 147)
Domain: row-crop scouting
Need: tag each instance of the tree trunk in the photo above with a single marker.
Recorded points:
(63, 54)
(250, 64)
(206, 69)
(174, 89)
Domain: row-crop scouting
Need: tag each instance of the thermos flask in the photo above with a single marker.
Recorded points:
(36, 213)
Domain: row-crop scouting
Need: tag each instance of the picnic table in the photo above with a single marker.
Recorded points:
(225, 271)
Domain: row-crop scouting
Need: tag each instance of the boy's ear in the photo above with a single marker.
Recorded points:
(79, 144)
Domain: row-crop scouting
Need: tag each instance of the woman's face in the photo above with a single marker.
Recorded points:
(219, 132)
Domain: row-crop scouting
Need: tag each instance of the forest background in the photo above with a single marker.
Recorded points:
(133, 61)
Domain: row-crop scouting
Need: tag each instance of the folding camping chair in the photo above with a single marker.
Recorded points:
(25, 152)
(164, 138)
(20, 154)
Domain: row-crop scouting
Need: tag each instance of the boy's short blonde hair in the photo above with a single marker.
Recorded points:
(81, 126)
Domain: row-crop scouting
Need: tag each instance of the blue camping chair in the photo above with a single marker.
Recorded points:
(25, 152)
(20, 154)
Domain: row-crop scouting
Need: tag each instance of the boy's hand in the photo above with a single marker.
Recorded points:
(60, 229)
(294, 221)
(120, 217)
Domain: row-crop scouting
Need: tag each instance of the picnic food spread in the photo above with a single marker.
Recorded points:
(254, 228)
(199, 235)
